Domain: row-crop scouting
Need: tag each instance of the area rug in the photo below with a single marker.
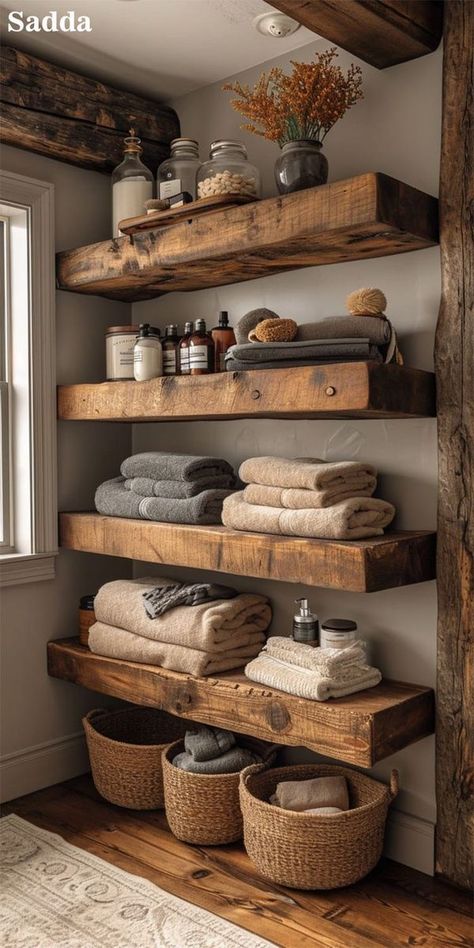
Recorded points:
(54, 895)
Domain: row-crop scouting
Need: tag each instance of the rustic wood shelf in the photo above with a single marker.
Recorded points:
(396, 559)
(381, 32)
(360, 729)
(371, 215)
(351, 389)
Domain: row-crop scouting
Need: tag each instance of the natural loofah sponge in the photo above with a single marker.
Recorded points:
(250, 321)
(274, 330)
(367, 301)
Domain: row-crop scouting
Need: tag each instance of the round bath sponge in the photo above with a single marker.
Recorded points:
(367, 301)
(249, 321)
(274, 330)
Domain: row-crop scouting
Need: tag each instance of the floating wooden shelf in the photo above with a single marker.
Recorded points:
(360, 729)
(371, 215)
(351, 389)
(397, 559)
(381, 32)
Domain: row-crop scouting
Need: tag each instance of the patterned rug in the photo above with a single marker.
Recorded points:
(54, 895)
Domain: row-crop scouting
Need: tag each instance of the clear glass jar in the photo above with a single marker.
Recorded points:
(178, 172)
(132, 184)
(228, 171)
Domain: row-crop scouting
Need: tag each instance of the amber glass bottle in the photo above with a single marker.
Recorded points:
(224, 338)
(201, 350)
(170, 350)
(184, 350)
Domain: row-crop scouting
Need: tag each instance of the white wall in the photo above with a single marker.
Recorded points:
(396, 129)
(41, 741)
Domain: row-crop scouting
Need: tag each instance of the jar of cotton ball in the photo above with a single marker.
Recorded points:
(228, 172)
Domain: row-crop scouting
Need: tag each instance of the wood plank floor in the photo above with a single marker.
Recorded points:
(394, 907)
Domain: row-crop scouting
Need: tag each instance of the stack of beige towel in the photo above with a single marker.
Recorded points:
(308, 497)
(197, 640)
(314, 673)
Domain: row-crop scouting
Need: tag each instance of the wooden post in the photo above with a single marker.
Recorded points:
(454, 367)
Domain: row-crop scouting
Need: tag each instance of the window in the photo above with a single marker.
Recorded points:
(28, 505)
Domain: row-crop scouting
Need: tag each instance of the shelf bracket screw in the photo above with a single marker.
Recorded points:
(330, 390)
(256, 394)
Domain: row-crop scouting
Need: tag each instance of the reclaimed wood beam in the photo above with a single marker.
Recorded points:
(63, 115)
(396, 559)
(371, 215)
(381, 32)
(454, 361)
(360, 729)
(354, 390)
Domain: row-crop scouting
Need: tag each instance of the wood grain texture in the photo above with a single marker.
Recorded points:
(64, 115)
(360, 729)
(371, 215)
(397, 559)
(355, 390)
(381, 32)
(454, 358)
(393, 907)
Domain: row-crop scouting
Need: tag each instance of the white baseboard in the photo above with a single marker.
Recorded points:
(411, 841)
(42, 765)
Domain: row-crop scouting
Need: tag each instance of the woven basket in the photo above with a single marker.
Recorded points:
(204, 808)
(125, 749)
(314, 852)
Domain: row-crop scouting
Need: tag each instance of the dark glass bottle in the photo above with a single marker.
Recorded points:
(224, 338)
(184, 350)
(170, 350)
(201, 350)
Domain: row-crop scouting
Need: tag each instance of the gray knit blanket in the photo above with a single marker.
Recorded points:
(113, 500)
(161, 599)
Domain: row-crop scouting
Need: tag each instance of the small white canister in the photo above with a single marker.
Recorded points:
(337, 633)
(119, 346)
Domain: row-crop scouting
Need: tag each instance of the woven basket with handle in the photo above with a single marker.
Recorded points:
(125, 749)
(311, 851)
(204, 808)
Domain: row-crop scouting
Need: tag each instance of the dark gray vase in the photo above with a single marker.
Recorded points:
(301, 165)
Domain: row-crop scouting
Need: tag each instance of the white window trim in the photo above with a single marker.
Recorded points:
(38, 563)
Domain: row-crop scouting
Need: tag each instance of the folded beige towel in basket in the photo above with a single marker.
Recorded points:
(212, 626)
(354, 519)
(118, 643)
(307, 473)
(300, 795)
(308, 684)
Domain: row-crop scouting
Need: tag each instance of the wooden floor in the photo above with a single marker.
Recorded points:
(394, 906)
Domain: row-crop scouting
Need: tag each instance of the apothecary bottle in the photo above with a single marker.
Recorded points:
(184, 350)
(147, 354)
(201, 350)
(228, 171)
(170, 350)
(132, 184)
(178, 172)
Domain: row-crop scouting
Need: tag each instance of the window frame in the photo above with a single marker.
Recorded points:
(33, 556)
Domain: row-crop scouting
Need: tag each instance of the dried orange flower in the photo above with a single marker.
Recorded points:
(303, 105)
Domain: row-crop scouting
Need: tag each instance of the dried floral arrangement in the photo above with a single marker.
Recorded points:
(303, 105)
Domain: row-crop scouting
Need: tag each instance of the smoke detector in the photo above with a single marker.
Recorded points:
(275, 24)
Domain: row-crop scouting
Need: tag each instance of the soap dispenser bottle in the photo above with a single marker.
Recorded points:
(305, 624)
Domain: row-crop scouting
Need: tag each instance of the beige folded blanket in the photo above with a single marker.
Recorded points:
(307, 684)
(308, 473)
(300, 795)
(353, 519)
(326, 662)
(212, 627)
(298, 498)
(117, 643)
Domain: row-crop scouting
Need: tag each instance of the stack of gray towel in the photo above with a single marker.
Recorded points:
(170, 488)
(209, 750)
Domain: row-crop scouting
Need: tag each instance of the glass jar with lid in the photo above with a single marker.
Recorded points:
(178, 172)
(228, 171)
(132, 184)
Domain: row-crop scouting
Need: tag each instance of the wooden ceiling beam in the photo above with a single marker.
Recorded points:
(63, 115)
(381, 32)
